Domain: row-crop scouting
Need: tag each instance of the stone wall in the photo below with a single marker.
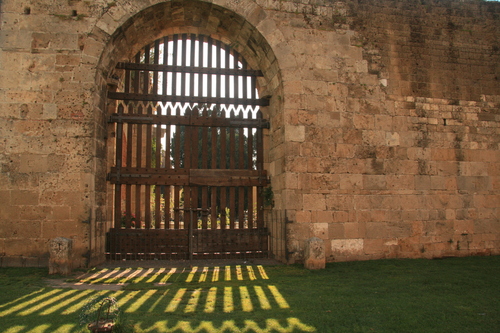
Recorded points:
(384, 138)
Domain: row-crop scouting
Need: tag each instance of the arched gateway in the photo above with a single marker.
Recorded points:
(187, 129)
(188, 173)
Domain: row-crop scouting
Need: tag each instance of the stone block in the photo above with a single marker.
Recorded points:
(295, 133)
(336, 230)
(314, 254)
(314, 202)
(347, 247)
(60, 261)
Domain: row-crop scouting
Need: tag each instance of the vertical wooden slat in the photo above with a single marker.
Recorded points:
(146, 80)
(227, 77)
(232, 165)
(214, 133)
(174, 63)
(128, 187)
(201, 57)
(184, 76)
(157, 192)
(218, 65)
(188, 144)
(165, 62)
(191, 64)
(241, 165)
(139, 152)
(204, 165)
(156, 61)
(118, 163)
(223, 165)
(250, 166)
(149, 150)
(193, 164)
(251, 208)
(126, 87)
(209, 64)
(236, 83)
(177, 165)
(245, 80)
(260, 166)
(168, 165)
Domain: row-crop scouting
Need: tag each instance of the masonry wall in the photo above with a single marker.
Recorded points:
(385, 116)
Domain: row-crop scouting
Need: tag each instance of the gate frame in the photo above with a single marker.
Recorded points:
(117, 177)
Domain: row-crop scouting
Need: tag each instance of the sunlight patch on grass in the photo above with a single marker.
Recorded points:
(204, 274)
(143, 299)
(123, 273)
(262, 272)
(40, 329)
(191, 275)
(227, 276)
(48, 302)
(271, 325)
(239, 273)
(251, 273)
(144, 275)
(156, 275)
(132, 275)
(246, 301)
(167, 276)
(282, 303)
(65, 303)
(78, 306)
(174, 303)
(158, 301)
(65, 328)
(15, 329)
(95, 275)
(28, 303)
(193, 301)
(215, 276)
(261, 296)
(211, 300)
(20, 299)
(105, 276)
(228, 300)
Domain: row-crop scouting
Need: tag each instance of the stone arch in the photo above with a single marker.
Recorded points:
(130, 32)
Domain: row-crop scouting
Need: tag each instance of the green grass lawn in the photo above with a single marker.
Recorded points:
(449, 295)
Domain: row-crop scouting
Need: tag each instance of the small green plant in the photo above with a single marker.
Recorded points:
(268, 197)
(100, 314)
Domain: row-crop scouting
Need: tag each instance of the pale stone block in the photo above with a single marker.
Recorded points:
(392, 139)
(315, 87)
(33, 163)
(347, 246)
(50, 111)
(314, 256)
(303, 216)
(320, 230)
(374, 182)
(349, 182)
(295, 133)
(314, 202)
(362, 66)
(60, 250)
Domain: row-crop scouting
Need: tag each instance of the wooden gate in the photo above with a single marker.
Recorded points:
(189, 173)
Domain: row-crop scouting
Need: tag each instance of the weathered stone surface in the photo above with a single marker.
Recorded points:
(314, 254)
(60, 260)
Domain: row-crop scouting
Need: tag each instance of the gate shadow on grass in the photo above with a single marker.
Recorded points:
(197, 299)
